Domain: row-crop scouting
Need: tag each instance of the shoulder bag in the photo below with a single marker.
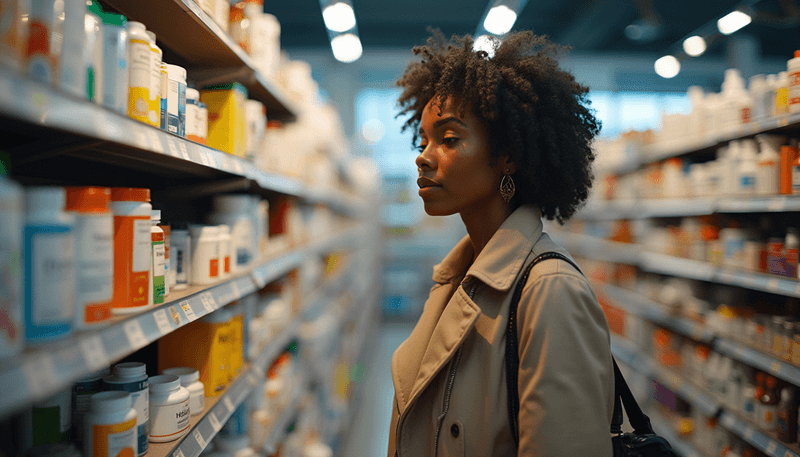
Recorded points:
(643, 442)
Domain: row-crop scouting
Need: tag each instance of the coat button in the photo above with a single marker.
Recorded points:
(454, 430)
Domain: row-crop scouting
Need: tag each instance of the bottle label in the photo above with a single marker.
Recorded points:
(159, 270)
(141, 403)
(139, 80)
(176, 108)
(796, 179)
(197, 403)
(169, 421)
(154, 104)
(95, 243)
(50, 290)
(768, 416)
(112, 440)
(747, 182)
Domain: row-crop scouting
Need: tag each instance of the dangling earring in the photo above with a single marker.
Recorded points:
(507, 188)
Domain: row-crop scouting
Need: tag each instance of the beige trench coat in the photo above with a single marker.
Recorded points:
(566, 378)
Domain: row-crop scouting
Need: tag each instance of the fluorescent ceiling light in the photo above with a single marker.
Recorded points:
(346, 48)
(499, 20)
(732, 22)
(485, 43)
(694, 45)
(339, 17)
(667, 67)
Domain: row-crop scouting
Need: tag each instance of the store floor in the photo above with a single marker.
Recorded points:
(369, 435)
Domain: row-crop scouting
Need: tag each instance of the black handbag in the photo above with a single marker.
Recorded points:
(643, 442)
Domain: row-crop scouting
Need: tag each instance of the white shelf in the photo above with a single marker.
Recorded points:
(687, 207)
(41, 372)
(633, 254)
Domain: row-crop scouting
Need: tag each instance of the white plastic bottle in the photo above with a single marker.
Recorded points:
(735, 109)
(71, 72)
(769, 96)
(206, 268)
(115, 62)
(225, 242)
(156, 56)
(181, 257)
(11, 300)
(93, 53)
(746, 172)
(139, 74)
(169, 409)
(192, 115)
(235, 211)
(769, 161)
(157, 260)
(758, 91)
(131, 377)
(43, 49)
(190, 379)
(94, 235)
(793, 69)
(49, 259)
(176, 100)
(112, 425)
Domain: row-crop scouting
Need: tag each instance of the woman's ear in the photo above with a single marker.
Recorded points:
(506, 164)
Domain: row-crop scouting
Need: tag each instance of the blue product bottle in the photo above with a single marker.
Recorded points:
(49, 266)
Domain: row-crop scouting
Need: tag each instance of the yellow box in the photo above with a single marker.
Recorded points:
(207, 345)
(226, 117)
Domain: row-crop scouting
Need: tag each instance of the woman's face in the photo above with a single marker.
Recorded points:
(453, 165)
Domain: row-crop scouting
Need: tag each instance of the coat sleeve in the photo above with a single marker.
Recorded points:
(392, 427)
(566, 379)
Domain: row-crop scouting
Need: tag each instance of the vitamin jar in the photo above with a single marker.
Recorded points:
(110, 427)
(169, 409)
(190, 379)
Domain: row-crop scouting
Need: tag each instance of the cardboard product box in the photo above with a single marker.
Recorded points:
(227, 124)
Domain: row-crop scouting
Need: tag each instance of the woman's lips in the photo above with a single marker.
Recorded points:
(423, 182)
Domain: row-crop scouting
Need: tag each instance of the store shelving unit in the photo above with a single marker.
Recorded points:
(686, 207)
(664, 429)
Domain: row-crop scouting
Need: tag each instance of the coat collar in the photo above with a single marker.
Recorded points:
(500, 261)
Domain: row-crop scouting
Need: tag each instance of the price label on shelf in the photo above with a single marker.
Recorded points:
(772, 447)
(200, 440)
(212, 418)
(776, 367)
(258, 278)
(211, 300)
(176, 316)
(40, 374)
(178, 453)
(162, 321)
(235, 290)
(187, 309)
(184, 151)
(206, 302)
(228, 404)
(133, 330)
(173, 148)
(748, 433)
(94, 353)
(155, 142)
(204, 158)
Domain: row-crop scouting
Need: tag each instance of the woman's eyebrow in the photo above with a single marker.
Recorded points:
(444, 121)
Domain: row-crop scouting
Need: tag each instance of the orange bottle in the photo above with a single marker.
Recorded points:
(132, 247)
(789, 156)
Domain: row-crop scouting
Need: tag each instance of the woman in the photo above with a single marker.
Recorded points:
(482, 123)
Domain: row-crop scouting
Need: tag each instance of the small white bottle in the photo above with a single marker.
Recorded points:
(190, 379)
(793, 69)
(71, 72)
(746, 172)
(206, 268)
(769, 161)
(169, 409)
(115, 62)
(93, 53)
(192, 115)
(180, 257)
(131, 377)
(157, 260)
(176, 100)
(225, 242)
(154, 106)
(758, 91)
(112, 422)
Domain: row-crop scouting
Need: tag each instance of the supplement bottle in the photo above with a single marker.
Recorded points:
(82, 392)
(796, 174)
(110, 428)
(236, 212)
(131, 377)
(205, 254)
(115, 62)
(768, 413)
(157, 259)
(139, 73)
(793, 68)
(192, 115)
(176, 100)
(11, 299)
(93, 53)
(788, 155)
(94, 236)
(72, 72)
(225, 243)
(41, 53)
(202, 122)
(154, 107)
(52, 419)
(782, 94)
(169, 409)
(165, 93)
(768, 174)
(190, 379)
(49, 265)
(13, 33)
(181, 257)
(132, 248)
(747, 169)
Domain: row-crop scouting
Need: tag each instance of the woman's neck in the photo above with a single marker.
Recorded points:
(481, 225)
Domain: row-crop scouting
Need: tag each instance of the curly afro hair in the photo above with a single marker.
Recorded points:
(534, 111)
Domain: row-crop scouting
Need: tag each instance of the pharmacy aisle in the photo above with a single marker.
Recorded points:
(178, 276)
(691, 243)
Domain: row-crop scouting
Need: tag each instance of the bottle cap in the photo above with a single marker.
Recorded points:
(133, 25)
(188, 375)
(88, 199)
(117, 20)
(130, 194)
(130, 369)
(164, 383)
(111, 401)
(797, 53)
(175, 72)
(192, 94)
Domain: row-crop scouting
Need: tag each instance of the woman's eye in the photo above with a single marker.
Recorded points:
(421, 148)
(450, 140)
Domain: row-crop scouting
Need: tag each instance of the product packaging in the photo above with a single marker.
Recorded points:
(72, 72)
(176, 100)
(236, 212)
(93, 53)
(115, 62)
(110, 427)
(41, 53)
(139, 72)
(226, 117)
(154, 105)
(132, 248)
(190, 379)
(131, 377)
(13, 33)
(169, 409)
(205, 250)
(181, 257)
(193, 115)
(82, 392)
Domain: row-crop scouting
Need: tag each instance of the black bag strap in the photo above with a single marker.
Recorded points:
(639, 421)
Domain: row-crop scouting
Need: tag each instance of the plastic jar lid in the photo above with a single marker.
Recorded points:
(164, 384)
(44, 198)
(136, 25)
(88, 199)
(111, 401)
(192, 94)
(188, 375)
(130, 369)
(130, 194)
(175, 72)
